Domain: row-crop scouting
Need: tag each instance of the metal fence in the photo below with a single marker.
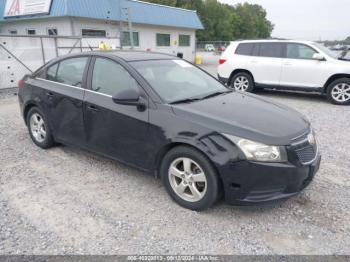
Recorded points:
(200, 45)
(22, 54)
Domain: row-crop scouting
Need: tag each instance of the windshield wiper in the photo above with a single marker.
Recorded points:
(190, 100)
(216, 94)
(183, 101)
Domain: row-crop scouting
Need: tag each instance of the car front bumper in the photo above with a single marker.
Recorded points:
(251, 183)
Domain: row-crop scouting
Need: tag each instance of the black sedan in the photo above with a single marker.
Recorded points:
(169, 118)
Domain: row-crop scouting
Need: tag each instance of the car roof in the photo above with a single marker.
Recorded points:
(130, 56)
(274, 40)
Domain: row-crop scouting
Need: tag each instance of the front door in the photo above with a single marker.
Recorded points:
(299, 69)
(118, 131)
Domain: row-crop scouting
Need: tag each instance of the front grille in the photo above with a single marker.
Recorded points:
(306, 154)
(302, 148)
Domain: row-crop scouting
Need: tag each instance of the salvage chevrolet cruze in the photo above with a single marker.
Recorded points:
(171, 119)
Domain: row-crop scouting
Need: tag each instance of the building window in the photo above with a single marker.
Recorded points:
(13, 32)
(93, 33)
(52, 31)
(126, 39)
(31, 32)
(184, 40)
(163, 40)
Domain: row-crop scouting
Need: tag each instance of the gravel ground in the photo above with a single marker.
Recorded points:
(67, 201)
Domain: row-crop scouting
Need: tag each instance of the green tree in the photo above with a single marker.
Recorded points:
(226, 22)
(252, 21)
(216, 20)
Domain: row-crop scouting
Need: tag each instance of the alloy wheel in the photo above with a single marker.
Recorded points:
(187, 179)
(341, 92)
(241, 83)
(37, 127)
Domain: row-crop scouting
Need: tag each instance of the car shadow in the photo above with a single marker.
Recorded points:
(221, 206)
(306, 96)
(130, 172)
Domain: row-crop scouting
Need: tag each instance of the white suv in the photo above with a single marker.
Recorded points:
(288, 65)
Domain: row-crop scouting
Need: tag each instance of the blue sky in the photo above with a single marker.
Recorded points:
(306, 19)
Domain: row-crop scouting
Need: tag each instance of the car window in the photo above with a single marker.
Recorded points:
(298, 51)
(110, 78)
(271, 50)
(245, 49)
(71, 71)
(52, 72)
(175, 80)
(256, 49)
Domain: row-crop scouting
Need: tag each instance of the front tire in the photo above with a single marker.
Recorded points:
(189, 178)
(242, 81)
(38, 128)
(338, 92)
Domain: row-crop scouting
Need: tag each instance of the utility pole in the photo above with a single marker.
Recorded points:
(128, 18)
(120, 27)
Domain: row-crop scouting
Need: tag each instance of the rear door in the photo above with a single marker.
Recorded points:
(299, 69)
(118, 131)
(63, 93)
(266, 63)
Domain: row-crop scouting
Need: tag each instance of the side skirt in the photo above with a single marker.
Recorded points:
(291, 88)
(87, 149)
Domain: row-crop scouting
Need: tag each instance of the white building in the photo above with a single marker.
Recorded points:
(155, 27)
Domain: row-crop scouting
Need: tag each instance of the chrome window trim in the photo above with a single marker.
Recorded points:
(91, 91)
(76, 87)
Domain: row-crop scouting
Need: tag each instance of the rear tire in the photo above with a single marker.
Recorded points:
(190, 178)
(38, 128)
(338, 92)
(243, 82)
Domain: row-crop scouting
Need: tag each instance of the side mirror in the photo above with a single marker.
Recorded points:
(318, 56)
(130, 97)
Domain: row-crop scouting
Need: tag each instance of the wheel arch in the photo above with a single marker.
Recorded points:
(27, 108)
(236, 71)
(333, 78)
(165, 149)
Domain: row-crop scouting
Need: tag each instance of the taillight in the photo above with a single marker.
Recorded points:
(221, 61)
(21, 83)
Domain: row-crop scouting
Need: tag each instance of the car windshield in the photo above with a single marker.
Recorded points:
(177, 80)
(326, 50)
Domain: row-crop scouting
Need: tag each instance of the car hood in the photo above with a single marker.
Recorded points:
(341, 62)
(246, 116)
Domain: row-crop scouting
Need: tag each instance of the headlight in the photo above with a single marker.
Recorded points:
(259, 152)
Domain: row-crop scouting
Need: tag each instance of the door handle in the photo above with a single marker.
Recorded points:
(254, 62)
(287, 64)
(93, 108)
(49, 94)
